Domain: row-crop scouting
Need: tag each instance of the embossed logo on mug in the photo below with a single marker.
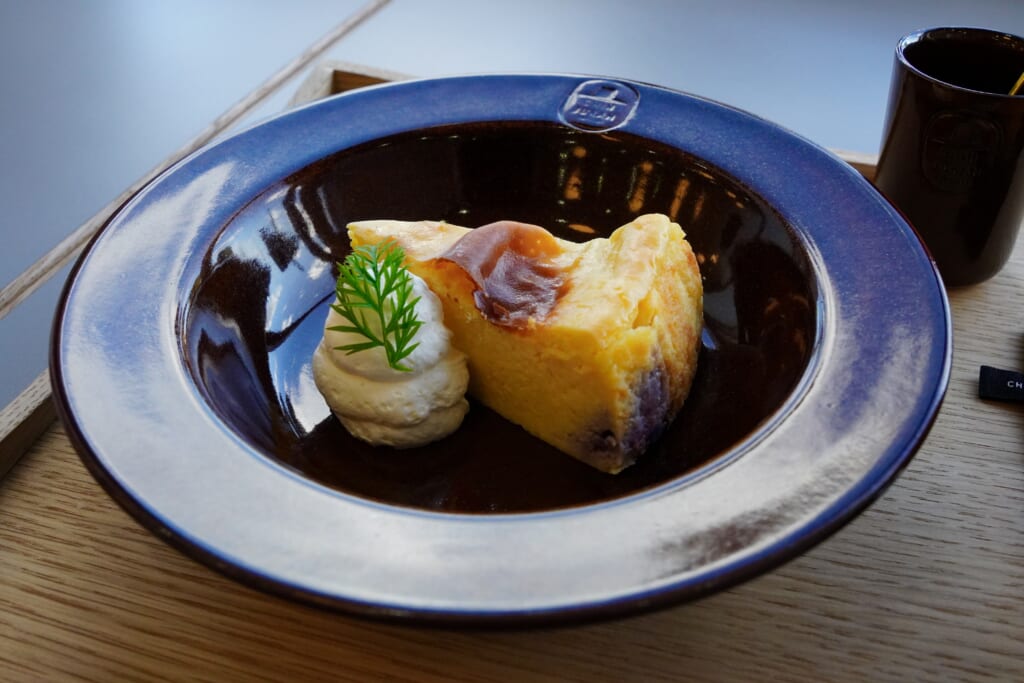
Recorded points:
(959, 148)
(600, 105)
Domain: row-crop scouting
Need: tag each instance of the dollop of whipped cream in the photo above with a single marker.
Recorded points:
(384, 406)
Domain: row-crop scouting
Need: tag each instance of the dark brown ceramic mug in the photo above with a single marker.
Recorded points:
(951, 157)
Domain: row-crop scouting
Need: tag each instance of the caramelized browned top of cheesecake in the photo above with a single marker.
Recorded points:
(513, 266)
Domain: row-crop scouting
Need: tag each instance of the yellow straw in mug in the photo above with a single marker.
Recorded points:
(1017, 86)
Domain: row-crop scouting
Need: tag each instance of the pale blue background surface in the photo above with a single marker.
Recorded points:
(95, 93)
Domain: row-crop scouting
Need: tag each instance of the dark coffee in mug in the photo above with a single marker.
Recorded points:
(952, 147)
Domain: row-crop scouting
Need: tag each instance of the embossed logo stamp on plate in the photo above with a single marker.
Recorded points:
(600, 105)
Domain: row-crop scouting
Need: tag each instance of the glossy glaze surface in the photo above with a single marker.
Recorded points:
(761, 312)
(194, 413)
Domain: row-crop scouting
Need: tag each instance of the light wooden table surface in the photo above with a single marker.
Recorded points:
(927, 584)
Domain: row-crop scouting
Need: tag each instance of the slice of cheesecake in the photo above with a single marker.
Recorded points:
(591, 347)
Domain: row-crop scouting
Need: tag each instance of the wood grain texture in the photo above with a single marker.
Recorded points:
(926, 585)
(331, 77)
(863, 162)
(24, 419)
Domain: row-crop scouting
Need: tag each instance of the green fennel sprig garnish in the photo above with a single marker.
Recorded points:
(375, 296)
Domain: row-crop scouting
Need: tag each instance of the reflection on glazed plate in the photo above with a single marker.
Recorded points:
(182, 347)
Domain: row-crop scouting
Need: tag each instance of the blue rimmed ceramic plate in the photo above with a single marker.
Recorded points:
(182, 346)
